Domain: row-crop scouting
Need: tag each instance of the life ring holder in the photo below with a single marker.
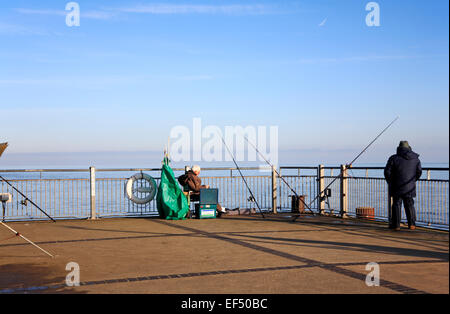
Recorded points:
(150, 191)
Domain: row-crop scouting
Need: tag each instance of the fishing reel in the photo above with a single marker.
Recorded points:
(326, 195)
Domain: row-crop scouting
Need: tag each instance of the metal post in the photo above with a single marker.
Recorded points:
(4, 208)
(92, 188)
(320, 188)
(344, 192)
(390, 202)
(274, 190)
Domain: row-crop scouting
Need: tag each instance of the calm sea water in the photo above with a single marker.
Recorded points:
(263, 171)
(63, 198)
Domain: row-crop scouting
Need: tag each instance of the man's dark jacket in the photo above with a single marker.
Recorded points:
(192, 181)
(402, 171)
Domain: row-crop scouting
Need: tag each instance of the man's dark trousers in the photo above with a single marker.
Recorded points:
(410, 211)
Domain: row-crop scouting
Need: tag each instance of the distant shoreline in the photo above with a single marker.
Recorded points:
(152, 159)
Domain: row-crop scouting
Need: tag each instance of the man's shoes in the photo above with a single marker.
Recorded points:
(394, 228)
(412, 227)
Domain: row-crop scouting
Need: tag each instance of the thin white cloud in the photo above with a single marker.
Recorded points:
(15, 29)
(323, 22)
(96, 14)
(75, 81)
(357, 59)
(234, 9)
(99, 81)
(40, 12)
(161, 9)
(192, 77)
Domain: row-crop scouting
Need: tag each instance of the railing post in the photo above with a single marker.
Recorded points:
(274, 190)
(92, 191)
(344, 192)
(389, 207)
(320, 187)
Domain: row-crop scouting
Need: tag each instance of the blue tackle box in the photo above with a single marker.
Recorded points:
(207, 206)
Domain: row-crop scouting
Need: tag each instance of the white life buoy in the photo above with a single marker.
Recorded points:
(149, 191)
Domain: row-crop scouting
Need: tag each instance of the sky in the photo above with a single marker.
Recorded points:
(134, 70)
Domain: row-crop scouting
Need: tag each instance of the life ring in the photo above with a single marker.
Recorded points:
(150, 190)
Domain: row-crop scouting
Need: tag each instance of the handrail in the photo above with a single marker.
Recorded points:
(128, 169)
(205, 169)
(72, 197)
(361, 168)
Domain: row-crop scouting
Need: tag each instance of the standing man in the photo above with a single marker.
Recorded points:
(401, 173)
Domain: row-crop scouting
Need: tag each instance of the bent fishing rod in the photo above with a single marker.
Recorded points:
(349, 165)
(243, 178)
(278, 174)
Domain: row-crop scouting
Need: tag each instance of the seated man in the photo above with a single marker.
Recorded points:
(193, 181)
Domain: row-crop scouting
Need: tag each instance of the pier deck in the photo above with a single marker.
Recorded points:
(230, 255)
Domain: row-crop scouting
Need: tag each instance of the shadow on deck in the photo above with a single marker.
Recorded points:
(230, 255)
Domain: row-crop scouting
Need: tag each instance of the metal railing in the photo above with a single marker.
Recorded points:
(366, 187)
(91, 193)
(67, 193)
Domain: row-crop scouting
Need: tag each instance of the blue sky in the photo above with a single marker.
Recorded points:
(135, 69)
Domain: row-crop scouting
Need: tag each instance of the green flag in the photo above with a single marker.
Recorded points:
(172, 204)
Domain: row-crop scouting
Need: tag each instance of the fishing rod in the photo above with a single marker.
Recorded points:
(3, 146)
(278, 174)
(349, 165)
(26, 198)
(31, 242)
(245, 181)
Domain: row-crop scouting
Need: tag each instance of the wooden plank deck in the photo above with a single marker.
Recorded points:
(230, 255)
